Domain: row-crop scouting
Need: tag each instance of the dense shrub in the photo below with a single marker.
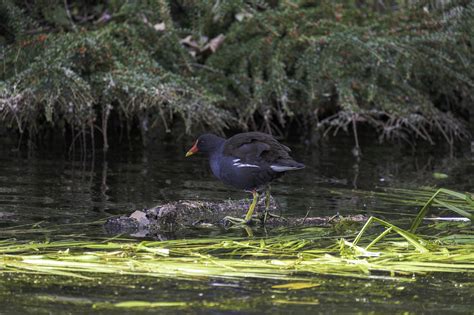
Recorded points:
(406, 70)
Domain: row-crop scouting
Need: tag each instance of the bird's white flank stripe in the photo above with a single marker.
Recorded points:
(236, 160)
(248, 165)
(282, 168)
(245, 165)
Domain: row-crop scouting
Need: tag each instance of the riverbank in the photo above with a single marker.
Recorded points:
(90, 71)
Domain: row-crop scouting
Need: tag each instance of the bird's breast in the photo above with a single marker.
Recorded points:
(215, 164)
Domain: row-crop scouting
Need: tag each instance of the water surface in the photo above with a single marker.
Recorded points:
(51, 196)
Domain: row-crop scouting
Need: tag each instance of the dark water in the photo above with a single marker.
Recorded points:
(59, 194)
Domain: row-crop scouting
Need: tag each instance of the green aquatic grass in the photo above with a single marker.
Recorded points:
(294, 258)
(411, 238)
(454, 205)
(466, 199)
(293, 255)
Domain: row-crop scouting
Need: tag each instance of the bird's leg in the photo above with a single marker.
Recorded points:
(267, 207)
(248, 216)
(248, 230)
(267, 204)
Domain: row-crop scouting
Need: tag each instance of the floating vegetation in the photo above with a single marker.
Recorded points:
(290, 260)
(288, 256)
(284, 257)
(436, 199)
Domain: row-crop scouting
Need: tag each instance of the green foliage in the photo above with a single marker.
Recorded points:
(14, 22)
(403, 71)
(69, 78)
(345, 65)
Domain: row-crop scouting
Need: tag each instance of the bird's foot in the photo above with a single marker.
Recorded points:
(265, 215)
(337, 215)
(272, 215)
(231, 221)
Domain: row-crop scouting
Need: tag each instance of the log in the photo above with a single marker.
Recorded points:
(187, 217)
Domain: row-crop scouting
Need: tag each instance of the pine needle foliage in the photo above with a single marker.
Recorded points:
(336, 64)
(74, 78)
(404, 69)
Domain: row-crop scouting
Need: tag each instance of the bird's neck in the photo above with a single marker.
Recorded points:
(216, 149)
(214, 157)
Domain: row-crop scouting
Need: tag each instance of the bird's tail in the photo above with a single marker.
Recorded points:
(286, 165)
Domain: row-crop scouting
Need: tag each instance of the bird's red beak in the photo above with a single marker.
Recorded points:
(193, 150)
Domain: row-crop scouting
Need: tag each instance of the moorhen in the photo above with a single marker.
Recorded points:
(247, 161)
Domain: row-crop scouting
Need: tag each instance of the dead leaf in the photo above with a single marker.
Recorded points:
(242, 15)
(215, 43)
(160, 27)
(188, 41)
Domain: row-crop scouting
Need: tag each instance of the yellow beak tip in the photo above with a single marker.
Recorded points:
(189, 153)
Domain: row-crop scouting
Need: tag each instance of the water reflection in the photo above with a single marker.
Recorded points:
(53, 188)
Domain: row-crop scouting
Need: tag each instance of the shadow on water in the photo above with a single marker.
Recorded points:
(49, 197)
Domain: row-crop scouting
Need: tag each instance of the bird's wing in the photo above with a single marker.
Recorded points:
(255, 146)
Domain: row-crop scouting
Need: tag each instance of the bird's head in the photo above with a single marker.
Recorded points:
(206, 143)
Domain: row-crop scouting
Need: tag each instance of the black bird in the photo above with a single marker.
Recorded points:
(247, 161)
